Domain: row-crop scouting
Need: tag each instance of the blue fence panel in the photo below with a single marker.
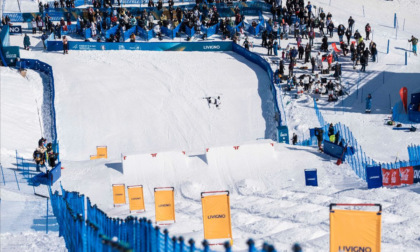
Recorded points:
(113, 30)
(130, 31)
(87, 33)
(189, 31)
(147, 35)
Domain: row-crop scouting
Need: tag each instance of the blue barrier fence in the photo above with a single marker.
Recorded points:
(170, 33)
(414, 152)
(93, 231)
(47, 70)
(257, 59)
(355, 156)
(247, 8)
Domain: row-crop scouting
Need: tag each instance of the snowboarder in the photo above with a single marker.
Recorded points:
(213, 100)
(414, 42)
(26, 42)
(368, 103)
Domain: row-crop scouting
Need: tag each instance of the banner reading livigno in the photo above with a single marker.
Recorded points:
(216, 216)
(164, 204)
(352, 230)
(118, 191)
(136, 198)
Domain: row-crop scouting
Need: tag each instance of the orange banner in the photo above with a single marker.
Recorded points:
(118, 192)
(135, 198)
(216, 216)
(352, 230)
(164, 204)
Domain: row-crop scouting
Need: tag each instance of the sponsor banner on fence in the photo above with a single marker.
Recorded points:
(10, 54)
(145, 46)
(14, 29)
(136, 198)
(391, 177)
(216, 216)
(118, 191)
(352, 230)
(164, 204)
(416, 174)
(407, 175)
(373, 176)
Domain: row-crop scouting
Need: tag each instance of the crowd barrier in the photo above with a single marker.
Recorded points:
(96, 231)
(414, 152)
(356, 157)
(248, 8)
(257, 59)
(49, 86)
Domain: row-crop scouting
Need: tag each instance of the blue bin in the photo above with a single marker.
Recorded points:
(311, 178)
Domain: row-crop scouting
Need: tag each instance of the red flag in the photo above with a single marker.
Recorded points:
(407, 175)
(403, 95)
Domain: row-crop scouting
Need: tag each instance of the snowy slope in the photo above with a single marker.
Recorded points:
(23, 215)
(141, 101)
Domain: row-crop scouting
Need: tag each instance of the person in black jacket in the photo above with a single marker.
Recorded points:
(348, 35)
(307, 53)
(301, 50)
(363, 63)
(313, 64)
(351, 23)
(331, 29)
(281, 67)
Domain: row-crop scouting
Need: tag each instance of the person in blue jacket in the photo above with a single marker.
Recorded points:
(275, 47)
(26, 42)
(368, 103)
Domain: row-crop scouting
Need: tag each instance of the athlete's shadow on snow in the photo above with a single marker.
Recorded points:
(116, 166)
(264, 91)
(383, 86)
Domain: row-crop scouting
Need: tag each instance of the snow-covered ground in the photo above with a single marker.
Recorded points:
(139, 103)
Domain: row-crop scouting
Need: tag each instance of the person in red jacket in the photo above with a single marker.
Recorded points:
(367, 30)
(329, 60)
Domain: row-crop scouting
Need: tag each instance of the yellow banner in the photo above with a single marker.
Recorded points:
(118, 192)
(165, 205)
(102, 152)
(352, 230)
(135, 198)
(216, 217)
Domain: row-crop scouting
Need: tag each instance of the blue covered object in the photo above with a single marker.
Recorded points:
(311, 178)
(413, 108)
(374, 176)
(334, 150)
